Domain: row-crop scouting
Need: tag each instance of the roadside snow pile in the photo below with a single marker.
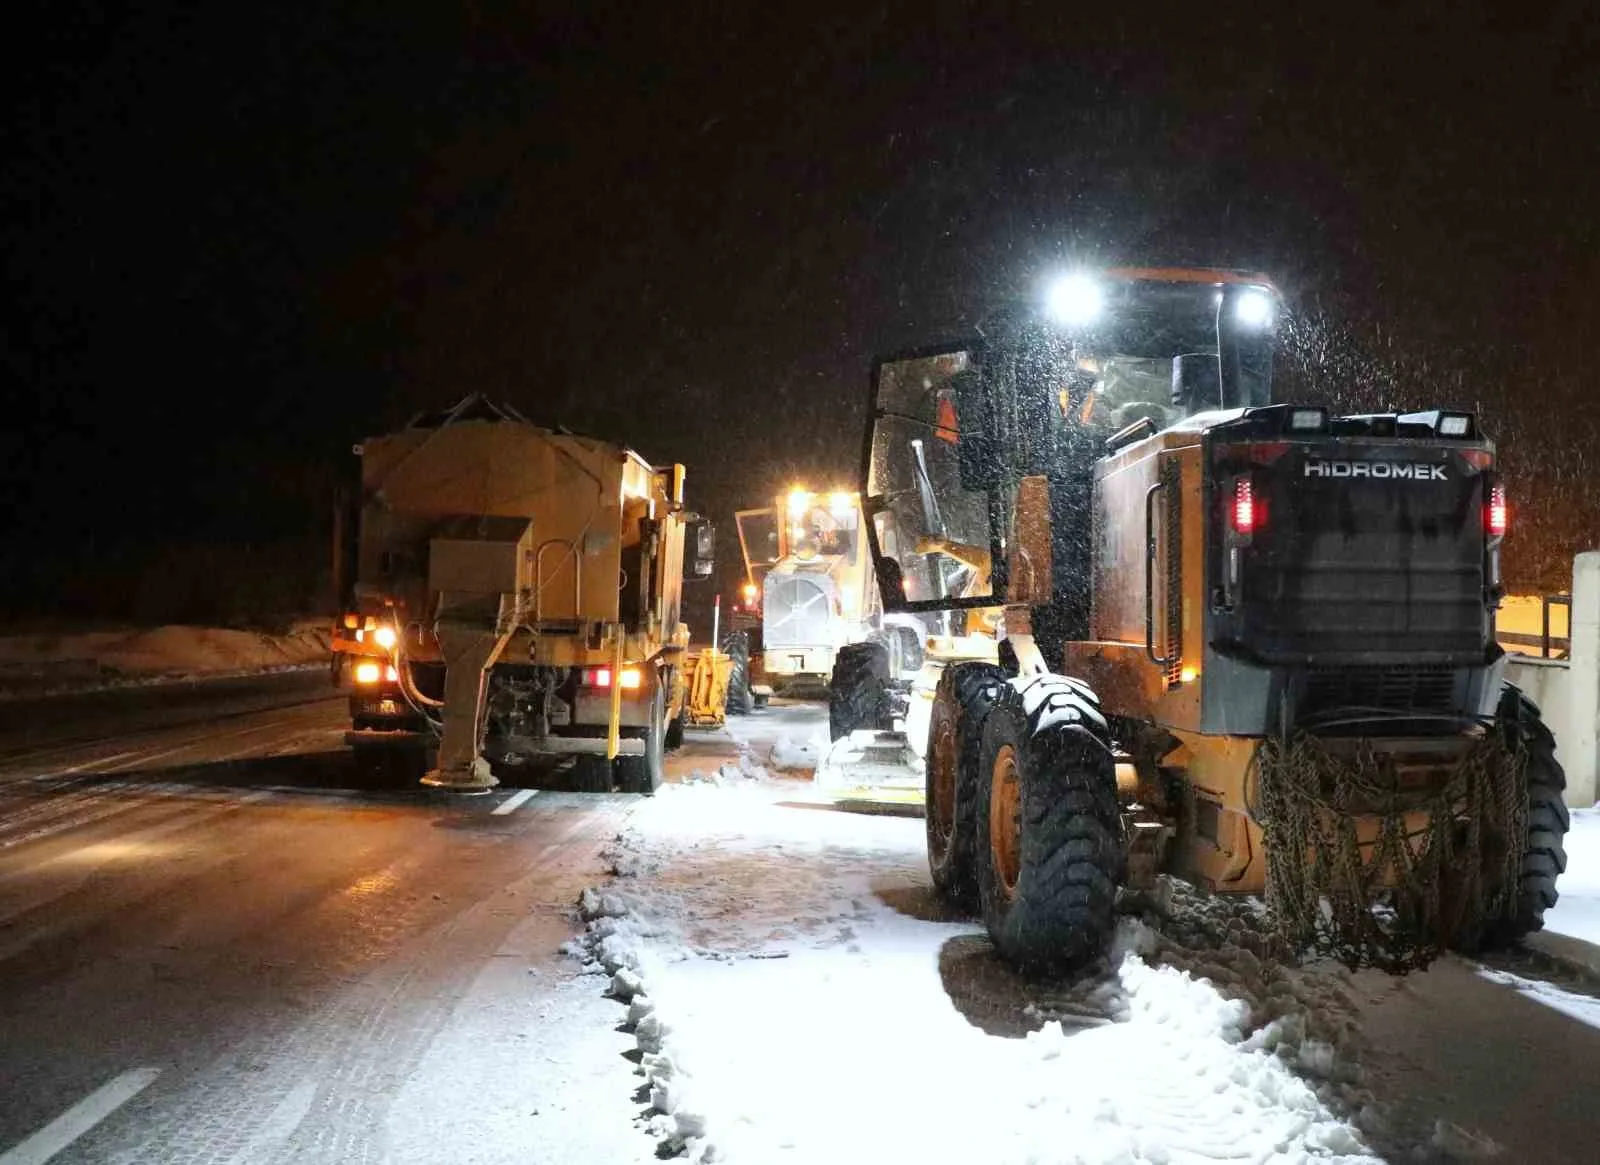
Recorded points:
(743, 771)
(1577, 910)
(40, 664)
(797, 994)
(799, 752)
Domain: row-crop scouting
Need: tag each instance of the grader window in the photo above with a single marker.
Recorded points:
(942, 538)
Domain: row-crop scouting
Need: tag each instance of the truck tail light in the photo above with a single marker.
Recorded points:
(1496, 514)
(1243, 513)
(600, 677)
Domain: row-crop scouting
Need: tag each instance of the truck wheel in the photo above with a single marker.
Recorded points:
(1545, 857)
(858, 691)
(675, 729)
(961, 704)
(642, 774)
(591, 773)
(736, 645)
(1050, 845)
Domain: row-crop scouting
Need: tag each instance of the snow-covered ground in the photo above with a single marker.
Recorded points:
(1577, 912)
(40, 664)
(798, 994)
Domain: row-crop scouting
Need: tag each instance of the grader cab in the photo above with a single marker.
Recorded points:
(1244, 642)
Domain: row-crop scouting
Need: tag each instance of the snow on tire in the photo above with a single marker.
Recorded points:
(961, 704)
(1050, 844)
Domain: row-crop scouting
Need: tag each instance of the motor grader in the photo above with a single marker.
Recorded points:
(514, 593)
(808, 572)
(1245, 642)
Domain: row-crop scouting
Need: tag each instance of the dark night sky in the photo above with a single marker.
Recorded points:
(234, 244)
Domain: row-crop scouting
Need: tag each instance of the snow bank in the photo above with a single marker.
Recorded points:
(1577, 910)
(39, 664)
(798, 995)
(799, 752)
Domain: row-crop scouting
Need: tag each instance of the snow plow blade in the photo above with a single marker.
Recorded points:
(870, 769)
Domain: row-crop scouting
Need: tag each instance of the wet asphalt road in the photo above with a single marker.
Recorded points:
(214, 948)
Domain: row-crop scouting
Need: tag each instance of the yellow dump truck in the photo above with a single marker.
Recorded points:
(514, 592)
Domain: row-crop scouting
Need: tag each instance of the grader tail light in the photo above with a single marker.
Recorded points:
(1497, 514)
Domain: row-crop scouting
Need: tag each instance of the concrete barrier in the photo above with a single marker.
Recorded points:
(1568, 691)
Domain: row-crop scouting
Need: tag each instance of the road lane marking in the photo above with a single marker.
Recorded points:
(506, 806)
(80, 1118)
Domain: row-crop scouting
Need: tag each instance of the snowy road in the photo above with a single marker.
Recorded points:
(213, 948)
(804, 998)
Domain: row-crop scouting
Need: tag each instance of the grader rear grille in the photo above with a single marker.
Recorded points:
(1421, 688)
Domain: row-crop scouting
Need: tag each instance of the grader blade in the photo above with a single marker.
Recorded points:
(871, 768)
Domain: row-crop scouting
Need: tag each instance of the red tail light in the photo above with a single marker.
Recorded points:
(1496, 515)
(1243, 511)
(597, 677)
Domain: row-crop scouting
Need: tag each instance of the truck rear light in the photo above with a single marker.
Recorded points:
(1496, 515)
(1242, 514)
(367, 672)
(600, 677)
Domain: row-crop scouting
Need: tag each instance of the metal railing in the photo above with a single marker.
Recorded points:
(1550, 646)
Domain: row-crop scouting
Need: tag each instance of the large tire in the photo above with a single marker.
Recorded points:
(591, 773)
(858, 691)
(643, 774)
(736, 645)
(913, 649)
(961, 704)
(1050, 844)
(1545, 857)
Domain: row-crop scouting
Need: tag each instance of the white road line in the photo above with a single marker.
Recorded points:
(506, 806)
(80, 1118)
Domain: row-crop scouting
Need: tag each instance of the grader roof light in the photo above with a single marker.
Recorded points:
(1253, 308)
(1075, 300)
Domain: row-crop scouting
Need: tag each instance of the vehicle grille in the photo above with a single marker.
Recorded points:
(795, 611)
(1419, 688)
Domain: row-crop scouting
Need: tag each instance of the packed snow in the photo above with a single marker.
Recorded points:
(797, 994)
(40, 664)
(796, 753)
